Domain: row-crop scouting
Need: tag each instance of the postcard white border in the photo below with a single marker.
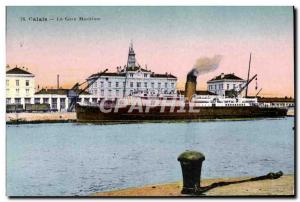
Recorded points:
(5, 3)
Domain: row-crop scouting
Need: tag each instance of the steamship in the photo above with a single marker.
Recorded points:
(148, 106)
(144, 107)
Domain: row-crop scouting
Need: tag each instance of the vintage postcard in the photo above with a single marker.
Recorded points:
(150, 101)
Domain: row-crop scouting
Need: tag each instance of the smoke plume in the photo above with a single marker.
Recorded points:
(205, 64)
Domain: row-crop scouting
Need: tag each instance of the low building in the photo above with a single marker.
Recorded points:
(58, 98)
(279, 102)
(20, 86)
(225, 82)
(130, 80)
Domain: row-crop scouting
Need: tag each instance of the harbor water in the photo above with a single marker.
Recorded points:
(69, 159)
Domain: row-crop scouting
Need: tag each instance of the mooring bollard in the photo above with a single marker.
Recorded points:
(191, 163)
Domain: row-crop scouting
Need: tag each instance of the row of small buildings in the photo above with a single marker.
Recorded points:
(130, 80)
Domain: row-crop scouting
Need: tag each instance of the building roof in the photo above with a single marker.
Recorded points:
(60, 91)
(107, 74)
(17, 70)
(166, 75)
(275, 99)
(225, 76)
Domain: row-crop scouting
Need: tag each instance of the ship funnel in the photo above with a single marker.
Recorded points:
(202, 65)
(190, 85)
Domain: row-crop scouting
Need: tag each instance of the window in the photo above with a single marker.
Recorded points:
(46, 100)
(94, 100)
(101, 84)
(227, 86)
(152, 85)
(172, 85)
(124, 84)
(145, 84)
(7, 82)
(86, 100)
(109, 93)
(138, 84)
(131, 84)
(27, 82)
(8, 100)
(117, 93)
(102, 92)
(240, 85)
(159, 85)
(17, 100)
(27, 91)
(62, 103)
(233, 86)
(17, 91)
(166, 85)
(95, 84)
(27, 100)
(131, 74)
(17, 82)
(109, 84)
(220, 86)
(37, 100)
(145, 75)
(117, 84)
(54, 103)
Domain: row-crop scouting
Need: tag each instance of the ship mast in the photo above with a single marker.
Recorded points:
(248, 76)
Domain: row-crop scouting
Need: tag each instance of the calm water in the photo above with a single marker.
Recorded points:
(75, 159)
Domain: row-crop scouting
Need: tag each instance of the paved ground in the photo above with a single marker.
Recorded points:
(40, 117)
(281, 186)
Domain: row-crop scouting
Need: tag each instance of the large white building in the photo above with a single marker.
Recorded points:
(130, 80)
(20, 86)
(225, 82)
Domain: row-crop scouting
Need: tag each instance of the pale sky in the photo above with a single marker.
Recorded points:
(167, 39)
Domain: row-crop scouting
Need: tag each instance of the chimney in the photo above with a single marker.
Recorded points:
(190, 85)
(222, 75)
(57, 81)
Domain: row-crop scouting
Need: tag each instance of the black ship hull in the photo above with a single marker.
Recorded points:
(95, 114)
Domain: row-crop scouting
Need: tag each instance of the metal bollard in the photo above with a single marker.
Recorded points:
(191, 163)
